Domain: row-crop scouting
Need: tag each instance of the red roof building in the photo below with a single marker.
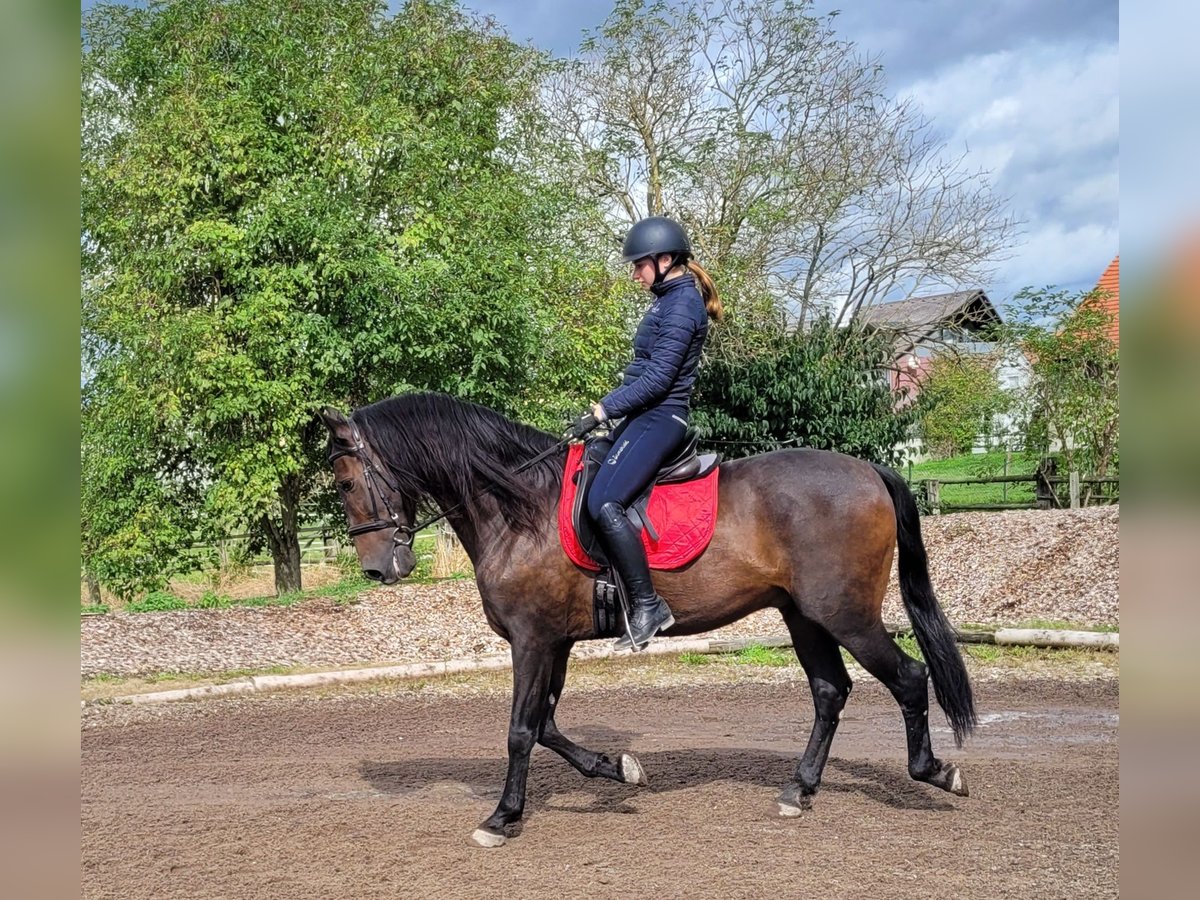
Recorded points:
(922, 327)
(1107, 296)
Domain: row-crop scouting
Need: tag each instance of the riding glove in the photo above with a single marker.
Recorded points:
(585, 424)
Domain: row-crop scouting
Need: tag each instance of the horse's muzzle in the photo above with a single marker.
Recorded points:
(399, 564)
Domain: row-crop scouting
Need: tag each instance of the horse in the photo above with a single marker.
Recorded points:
(808, 532)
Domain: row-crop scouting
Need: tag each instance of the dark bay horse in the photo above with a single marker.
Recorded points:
(807, 532)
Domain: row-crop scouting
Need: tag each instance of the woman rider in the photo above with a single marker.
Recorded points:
(654, 400)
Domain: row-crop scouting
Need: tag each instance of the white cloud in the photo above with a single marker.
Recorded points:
(1056, 97)
(1051, 254)
(1043, 119)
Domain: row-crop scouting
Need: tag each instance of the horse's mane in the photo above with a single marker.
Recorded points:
(454, 451)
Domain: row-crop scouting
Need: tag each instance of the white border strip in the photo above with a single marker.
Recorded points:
(1034, 637)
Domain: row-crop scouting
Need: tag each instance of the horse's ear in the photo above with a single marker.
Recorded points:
(337, 423)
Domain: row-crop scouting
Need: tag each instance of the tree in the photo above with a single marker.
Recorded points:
(777, 144)
(823, 387)
(1071, 404)
(959, 397)
(285, 205)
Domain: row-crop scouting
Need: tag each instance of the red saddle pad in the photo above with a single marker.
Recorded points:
(683, 514)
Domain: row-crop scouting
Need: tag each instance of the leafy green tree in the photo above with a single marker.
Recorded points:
(286, 204)
(959, 397)
(1071, 404)
(823, 387)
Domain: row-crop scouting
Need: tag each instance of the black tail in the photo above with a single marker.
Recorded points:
(934, 633)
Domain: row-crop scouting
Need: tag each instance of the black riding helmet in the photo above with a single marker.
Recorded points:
(653, 236)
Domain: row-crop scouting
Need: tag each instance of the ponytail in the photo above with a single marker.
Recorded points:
(708, 290)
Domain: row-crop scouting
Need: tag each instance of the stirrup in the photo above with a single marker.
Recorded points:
(627, 640)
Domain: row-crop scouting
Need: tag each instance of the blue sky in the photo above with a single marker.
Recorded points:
(1028, 90)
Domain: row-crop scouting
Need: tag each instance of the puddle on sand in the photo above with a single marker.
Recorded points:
(1046, 726)
(1061, 717)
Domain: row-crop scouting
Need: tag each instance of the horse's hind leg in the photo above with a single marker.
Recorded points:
(830, 683)
(908, 681)
(594, 765)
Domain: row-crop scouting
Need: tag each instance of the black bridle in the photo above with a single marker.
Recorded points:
(404, 533)
(403, 536)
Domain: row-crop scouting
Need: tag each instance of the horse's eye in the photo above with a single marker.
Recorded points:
(346, 486)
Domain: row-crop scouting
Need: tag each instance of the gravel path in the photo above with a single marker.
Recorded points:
(987, 567)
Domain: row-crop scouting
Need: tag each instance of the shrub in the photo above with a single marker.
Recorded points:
(823, 387)
(156, 601)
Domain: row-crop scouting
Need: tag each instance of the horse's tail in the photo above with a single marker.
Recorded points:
(935, 636)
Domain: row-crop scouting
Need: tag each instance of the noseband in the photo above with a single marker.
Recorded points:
(403, 536)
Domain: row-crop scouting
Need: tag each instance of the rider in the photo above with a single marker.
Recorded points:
(653, 399)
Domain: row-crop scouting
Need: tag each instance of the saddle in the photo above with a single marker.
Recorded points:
(683, 517)
(676, 514)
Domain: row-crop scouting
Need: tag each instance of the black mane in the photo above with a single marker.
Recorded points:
(454, 451)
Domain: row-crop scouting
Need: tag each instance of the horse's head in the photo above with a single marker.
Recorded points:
(377, 512)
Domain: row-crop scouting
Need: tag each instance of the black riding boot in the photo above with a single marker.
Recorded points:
(650, 612)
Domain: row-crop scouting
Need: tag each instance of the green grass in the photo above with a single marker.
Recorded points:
(345, 591)
(756, 655)
(156, 601)
(1012, 655)
(978, 465)
(271, 600)
(213, 600)
(91, 609)
(217, 677)
(192, 577)
(973, 465)
(1061, 625)
(907, 642)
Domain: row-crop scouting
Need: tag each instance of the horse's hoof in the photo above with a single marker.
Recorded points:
(631, 770)
(950, 779)
(793, 803)
(484, 837)
(955, 783)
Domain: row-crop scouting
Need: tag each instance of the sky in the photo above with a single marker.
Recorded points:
(1026, 90)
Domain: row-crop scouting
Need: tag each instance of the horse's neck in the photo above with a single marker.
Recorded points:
(491, 532)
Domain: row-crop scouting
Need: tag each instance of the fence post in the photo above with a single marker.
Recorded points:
(95, 598)
(1004, 485)
(331, 545)
(1073, 482)
(1044, 487)
(933, 490)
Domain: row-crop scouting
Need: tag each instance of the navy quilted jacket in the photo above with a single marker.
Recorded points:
(666, 351)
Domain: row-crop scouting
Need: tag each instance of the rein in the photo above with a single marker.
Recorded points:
(370, 473)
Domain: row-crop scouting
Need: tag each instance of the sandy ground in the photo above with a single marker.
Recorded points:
(374, 792)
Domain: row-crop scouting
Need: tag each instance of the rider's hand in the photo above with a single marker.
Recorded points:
(583, 425)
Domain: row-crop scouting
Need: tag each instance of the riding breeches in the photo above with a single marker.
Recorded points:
(640, 446)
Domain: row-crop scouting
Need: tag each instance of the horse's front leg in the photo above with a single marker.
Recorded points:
(625, 769)
(533, 666)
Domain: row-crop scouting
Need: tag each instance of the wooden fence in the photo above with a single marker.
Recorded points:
(1048, 491)
(318, 543)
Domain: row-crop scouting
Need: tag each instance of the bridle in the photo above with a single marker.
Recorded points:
(403, 536)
